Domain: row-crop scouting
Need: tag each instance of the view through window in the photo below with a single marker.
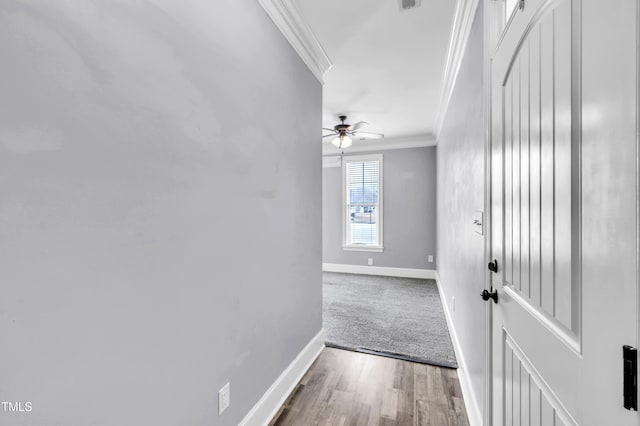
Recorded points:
(363, 202)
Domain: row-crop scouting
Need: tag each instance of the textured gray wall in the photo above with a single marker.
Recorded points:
(461, 192)
(409, 226)
(160, 235)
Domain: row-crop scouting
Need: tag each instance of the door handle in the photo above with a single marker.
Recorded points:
(486, 295)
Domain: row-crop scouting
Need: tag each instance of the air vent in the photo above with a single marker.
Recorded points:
(409, 4)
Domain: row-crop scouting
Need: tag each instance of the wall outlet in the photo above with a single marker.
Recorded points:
(453, 303)
(224, 398)
(431, 258)
(369, 261)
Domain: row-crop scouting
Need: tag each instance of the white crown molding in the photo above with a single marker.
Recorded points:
(369, 145)
(295, 29)
(462, 23)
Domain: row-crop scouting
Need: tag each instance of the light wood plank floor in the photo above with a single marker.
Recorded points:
(350, 388)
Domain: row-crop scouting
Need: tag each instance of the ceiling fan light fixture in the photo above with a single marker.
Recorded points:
(342, 141)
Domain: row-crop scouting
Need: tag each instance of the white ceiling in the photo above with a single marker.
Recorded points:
(388, 65)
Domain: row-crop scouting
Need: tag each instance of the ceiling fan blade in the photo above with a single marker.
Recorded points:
(358, 125)
(332, 134)
(329, 130)
(368, 135)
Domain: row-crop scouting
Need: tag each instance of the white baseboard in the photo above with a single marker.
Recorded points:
(380, 270)
(267, 407)
(470, 398)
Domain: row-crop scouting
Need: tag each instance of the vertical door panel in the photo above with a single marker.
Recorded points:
(535, 405)
(562, 163)
(534, 166)
(547, 283)
(525, 260)
(508, 182)
(514, 77)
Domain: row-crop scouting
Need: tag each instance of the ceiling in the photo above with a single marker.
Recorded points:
(388, 65)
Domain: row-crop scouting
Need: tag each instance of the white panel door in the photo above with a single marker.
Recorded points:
(564, 223)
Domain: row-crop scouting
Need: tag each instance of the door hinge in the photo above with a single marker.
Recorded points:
(630, 360)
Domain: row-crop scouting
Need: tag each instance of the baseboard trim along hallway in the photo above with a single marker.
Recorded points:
(474, 413)
(267, 407)
(380, 270)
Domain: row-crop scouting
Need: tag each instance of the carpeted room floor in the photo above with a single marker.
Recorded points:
(391, 315)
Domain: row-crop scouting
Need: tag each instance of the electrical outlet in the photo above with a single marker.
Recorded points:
(431, 258)
(369, 261)
(453, 303)
(224, 398)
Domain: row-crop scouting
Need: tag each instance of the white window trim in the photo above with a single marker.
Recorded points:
(357, 247)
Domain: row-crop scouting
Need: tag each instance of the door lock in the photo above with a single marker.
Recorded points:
(493, 266)
(630, 372)
(486, 295)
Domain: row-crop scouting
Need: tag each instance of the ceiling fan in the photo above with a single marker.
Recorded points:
(342, 131)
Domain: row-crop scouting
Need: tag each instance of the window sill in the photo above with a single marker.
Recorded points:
(377, 249)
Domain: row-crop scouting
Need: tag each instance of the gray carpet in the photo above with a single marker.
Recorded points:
(391, 315)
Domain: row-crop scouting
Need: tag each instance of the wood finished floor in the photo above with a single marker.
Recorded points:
(350, 388)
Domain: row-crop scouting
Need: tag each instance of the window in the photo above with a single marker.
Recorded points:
(510, 7)
(362, 203)
(500, 13)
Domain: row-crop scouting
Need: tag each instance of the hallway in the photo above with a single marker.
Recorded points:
(176, 177)
(350, 388)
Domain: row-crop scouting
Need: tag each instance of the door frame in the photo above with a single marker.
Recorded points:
(492, 10)
(638, 177)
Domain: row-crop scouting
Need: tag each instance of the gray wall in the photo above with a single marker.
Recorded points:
(409, 226)
(460, 192)
(159, 235)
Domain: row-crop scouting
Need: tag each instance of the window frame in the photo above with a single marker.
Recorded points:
(345, 204)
